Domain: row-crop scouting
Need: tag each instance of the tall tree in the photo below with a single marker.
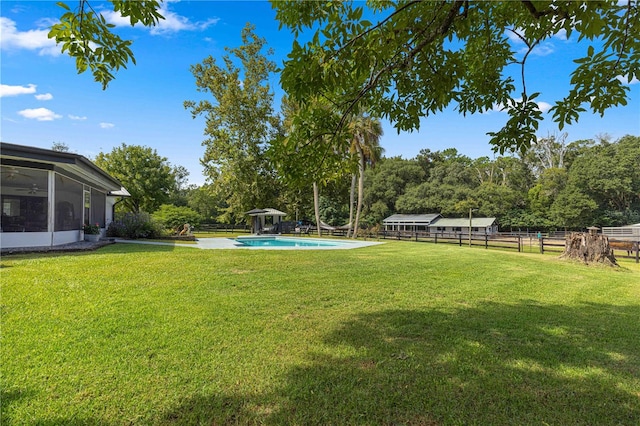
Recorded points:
(240, 124)
(147, 176)
(305, 157)
(415, 58)
(366, 133)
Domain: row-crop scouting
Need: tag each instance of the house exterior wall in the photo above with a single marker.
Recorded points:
(47, 196)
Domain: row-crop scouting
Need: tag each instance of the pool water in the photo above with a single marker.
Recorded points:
(289, 242)
(276, 242)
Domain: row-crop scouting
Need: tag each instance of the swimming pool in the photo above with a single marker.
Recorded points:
(277, 242)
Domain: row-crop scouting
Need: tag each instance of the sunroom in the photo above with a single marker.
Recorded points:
(47, 196)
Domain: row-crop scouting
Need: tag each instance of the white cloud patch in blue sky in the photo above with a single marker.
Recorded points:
(44, 97)
(13, 39)
(39, 114)
(172, 22)
(7, 90)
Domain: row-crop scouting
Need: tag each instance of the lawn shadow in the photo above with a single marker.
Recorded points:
(524, 363)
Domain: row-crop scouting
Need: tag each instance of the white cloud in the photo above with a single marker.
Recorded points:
(561, 35)
(40, 114)
(107, 125)
(513, 34)
(543, 106)
(625, 80)
(6, 90)
(44, 97)
(171, 23)
(76, 117)
(31, 40)
(543, 49)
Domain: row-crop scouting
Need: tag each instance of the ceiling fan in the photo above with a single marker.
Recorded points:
(11, 173)
(33, 190)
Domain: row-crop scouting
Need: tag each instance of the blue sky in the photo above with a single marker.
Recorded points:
(43, 99)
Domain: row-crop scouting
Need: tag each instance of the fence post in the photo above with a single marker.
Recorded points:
(486, 241)
(637, 251)
(435, 239)
(460, 239)
(541, 245)
(519, 243)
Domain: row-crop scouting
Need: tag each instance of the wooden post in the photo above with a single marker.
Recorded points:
(541, 245)
(519, 243)
(435, 238)
(637, 251)
(486, 241)
(460, 238)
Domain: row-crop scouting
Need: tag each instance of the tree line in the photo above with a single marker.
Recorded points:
(556, 185)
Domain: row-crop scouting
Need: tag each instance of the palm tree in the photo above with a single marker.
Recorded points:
(365, 143)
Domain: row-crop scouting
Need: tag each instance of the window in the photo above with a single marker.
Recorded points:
(24, 199)
(98, 206)
(69, 204)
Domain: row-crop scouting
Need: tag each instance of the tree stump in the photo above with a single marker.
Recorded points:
(589, 248)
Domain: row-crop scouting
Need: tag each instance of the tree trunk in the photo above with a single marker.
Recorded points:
(360, 192)
(352, 197)
(589, 248)
(316, 207)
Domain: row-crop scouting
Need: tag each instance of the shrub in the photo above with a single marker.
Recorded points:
(134, 225)
(173, 217)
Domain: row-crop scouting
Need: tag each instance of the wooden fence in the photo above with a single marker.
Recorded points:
(223, 227)
(507, 241)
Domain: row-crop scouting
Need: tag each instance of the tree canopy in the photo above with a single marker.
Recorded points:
(240, 124)
(415, 58)
(148, 177)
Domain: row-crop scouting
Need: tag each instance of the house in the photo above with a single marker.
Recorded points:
(479, 225)
(409, 222)
(47, 196)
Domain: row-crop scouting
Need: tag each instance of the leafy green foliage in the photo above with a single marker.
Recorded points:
(148, 177)
(240, 124)
(417, 58)
(134, 226)
(85, 35)
(554, 186)
(174, 217)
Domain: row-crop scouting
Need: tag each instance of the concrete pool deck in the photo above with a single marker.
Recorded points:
(229, 243)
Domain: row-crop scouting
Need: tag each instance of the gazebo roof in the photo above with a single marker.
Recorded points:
(265, 212)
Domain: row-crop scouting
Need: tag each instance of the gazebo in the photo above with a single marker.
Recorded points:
(260, 223)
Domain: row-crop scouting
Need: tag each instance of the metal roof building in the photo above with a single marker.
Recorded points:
(409, 222)
(481, 225)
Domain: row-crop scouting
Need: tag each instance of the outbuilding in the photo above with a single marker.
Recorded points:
(479, 225)
(409, 222)
(47, 196)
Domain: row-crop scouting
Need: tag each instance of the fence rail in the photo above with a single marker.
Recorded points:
(506, 241)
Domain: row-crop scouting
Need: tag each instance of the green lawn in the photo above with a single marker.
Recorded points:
(401, 333)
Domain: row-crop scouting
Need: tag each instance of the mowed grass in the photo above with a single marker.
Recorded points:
(400, 333)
